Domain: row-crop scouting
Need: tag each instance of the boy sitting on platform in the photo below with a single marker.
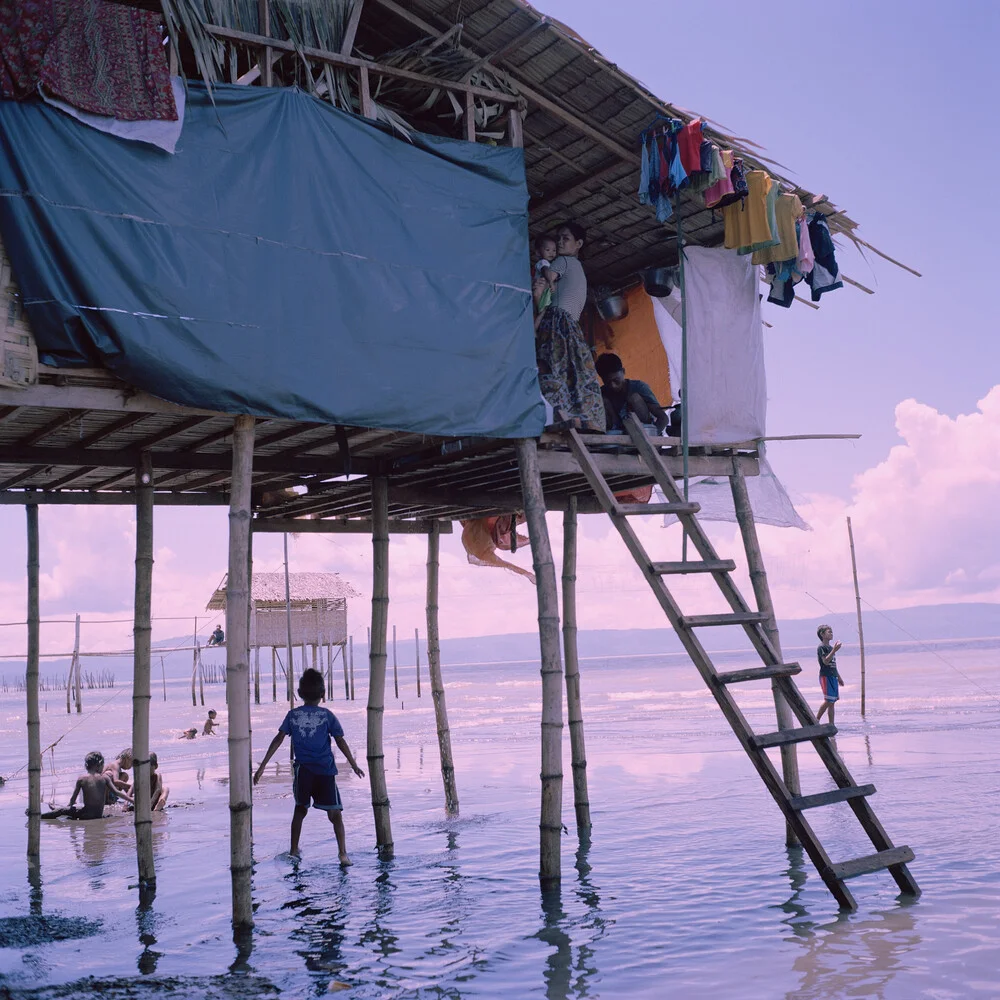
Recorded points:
(623, 396)
(96, 786)
(311, 729)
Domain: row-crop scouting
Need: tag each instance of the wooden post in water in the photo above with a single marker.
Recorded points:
(274, 674)
(194, 664)
(762, 594)
(857, 600)
(376, 665)
(70, 677)
(350, 693)
(550, 824)
(416, 647)
(142, 641)
(163, 677)
(395, 665)
(253, 638)
(31, 693)
(288, 630)
(434, 669)
(574, 705)
(237, 673)
(77, 684)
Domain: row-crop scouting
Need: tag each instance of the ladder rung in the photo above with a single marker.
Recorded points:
(628, 509)
(786, 736)
(872, 863)
(731, 618)
(829, 798)
(759, 673)
(695, 566)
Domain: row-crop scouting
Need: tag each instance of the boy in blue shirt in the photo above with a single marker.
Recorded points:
(311, 729)
(829, 676)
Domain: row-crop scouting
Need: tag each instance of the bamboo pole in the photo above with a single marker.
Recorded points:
(395, 665)
(31, 692)
(163, 677)
(376, 665)
(288, 630)
(78, 686)
(351, 691)
(574, 706)
(434, 669)
(857, 601)
(274, 674)
(550, 823)
(69, 683)
(143, 629)
(237, 671)
(194, 664)
(329, 666)
(416, 646)
(343, 658)
(762, 594)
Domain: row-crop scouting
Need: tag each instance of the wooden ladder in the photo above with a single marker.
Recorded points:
(792, 806)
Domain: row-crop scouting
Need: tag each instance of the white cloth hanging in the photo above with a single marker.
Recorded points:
(727, 388)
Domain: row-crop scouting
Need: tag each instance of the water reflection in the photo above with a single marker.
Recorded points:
(34, 887)
(145, 920)
(320, 930)
(848, 955)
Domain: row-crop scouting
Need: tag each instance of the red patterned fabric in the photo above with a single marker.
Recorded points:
(100, 57)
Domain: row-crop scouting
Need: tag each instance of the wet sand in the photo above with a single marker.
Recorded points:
(686, 888)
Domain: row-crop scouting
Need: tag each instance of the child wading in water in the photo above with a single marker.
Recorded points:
(311, 729)
(95, 786)
(829, 676)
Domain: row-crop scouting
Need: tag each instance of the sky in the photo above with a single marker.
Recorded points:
(889, 109)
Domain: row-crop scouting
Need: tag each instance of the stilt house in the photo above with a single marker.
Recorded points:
(330, 276)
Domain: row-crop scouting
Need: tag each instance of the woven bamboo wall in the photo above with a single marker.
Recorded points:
(316, 622)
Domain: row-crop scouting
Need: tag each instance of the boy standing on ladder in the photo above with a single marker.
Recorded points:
(829, 676)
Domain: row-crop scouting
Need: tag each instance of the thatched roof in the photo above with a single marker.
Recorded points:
(269, 588)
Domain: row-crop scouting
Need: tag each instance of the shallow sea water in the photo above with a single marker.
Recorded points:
(686, 888)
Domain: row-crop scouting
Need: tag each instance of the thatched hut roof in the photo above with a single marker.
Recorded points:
(305, 588)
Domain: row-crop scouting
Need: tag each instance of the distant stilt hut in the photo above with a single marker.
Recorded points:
(318, 614)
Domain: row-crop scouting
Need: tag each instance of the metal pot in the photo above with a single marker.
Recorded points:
(659, 281)
(612, 308)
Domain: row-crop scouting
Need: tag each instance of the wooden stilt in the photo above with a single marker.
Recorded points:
(77, 680)
(574, 706)
(434, 669)
(550, 825)
(857, 601)
(31, 692)
(237, 672)
(288, 631)
(274, 674)
(143, 629)
(762, 594)
(395, 665)
(416, 648)
(201, 677)
(71, 678)
(376, 665)
(350, 693)
(194, 664)
(329, 668)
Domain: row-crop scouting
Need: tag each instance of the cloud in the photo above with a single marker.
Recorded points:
(924, 521)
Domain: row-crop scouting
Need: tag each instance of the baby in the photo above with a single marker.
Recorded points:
(96, 786)
(545, 247)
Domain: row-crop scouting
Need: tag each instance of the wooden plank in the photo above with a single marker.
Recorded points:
(725, 618)
(365, 92)
(872, 862)
(694, 566)
(470, 117)
(784, 736)
(125, 399)
(759, 673)
(631, 509)
(564, 463)
(351, 31)
(831, 797)
(85, 498)
(355, 526)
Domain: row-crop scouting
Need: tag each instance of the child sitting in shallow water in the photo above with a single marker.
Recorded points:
(96, 786)
(210, 724)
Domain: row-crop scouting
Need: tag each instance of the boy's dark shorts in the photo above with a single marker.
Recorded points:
(319, 790)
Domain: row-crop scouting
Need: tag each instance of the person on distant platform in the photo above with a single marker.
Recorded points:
(311, 728)
(623, 396)
(210, 724)
(829, 676)
(96, 786)
(218, 637)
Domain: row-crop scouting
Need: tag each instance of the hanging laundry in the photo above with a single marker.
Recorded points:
(782, 285)
(825, 274)
(644, 198)
(787, 211)
(748, 222)
(722, 186)
(104, 58)
(806, 258)
(689, 142)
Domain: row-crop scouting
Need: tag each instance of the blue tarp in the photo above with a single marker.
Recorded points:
(290, 260)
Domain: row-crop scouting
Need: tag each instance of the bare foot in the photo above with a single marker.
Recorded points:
(345, 861)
